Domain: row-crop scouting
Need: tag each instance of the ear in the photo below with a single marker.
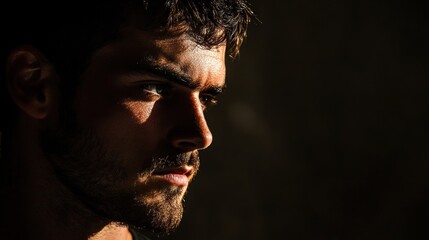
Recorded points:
(30, 81)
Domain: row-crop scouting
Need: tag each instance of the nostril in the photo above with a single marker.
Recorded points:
(189, 144)
(186, 145)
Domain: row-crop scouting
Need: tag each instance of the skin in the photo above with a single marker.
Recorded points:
(128, 151)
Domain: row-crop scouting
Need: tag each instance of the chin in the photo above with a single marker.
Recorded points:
(160, 213)
(156, 210)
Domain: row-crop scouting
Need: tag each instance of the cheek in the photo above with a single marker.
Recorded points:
(126, 123)
(120, 123)
(138, 112)
(125, 128)
(111, 111)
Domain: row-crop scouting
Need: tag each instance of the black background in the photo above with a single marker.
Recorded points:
(321, 132)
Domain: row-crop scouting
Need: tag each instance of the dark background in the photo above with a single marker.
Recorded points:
(321, 133)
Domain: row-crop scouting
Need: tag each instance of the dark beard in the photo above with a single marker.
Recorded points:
(93, 172)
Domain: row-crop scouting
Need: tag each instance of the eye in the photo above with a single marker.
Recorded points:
(208, 100)
(155, 88)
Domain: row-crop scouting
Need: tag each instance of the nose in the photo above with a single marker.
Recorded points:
(191, 131)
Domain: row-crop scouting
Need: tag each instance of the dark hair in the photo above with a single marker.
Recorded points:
(67, 32)
(209, 22)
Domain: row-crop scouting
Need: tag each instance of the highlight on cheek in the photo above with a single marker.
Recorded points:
(140, 111)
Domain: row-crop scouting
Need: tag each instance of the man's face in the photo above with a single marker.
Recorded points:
(131, 148)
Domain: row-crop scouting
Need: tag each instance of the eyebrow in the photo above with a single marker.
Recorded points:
(149, 66)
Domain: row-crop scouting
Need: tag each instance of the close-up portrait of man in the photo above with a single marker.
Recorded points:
(103, 112)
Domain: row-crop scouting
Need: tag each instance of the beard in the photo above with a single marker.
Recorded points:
(96, 174)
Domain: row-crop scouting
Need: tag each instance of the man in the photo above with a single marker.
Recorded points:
(103, 112)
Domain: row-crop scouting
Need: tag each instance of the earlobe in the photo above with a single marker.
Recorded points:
(30, 81)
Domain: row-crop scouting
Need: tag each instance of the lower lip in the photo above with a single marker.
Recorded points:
(176, 179)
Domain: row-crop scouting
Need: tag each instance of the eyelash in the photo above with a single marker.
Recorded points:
(208, 100)
(163, 89)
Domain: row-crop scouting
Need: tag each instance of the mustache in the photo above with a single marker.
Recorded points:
(171, 161)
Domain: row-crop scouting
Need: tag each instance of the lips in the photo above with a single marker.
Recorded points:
(179, 176)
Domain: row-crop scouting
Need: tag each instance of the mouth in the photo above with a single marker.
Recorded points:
(179, 176)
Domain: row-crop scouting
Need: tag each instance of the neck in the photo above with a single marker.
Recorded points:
(38, 206)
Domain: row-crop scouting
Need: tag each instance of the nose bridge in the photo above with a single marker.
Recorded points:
(191, 131)
(201, 123)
